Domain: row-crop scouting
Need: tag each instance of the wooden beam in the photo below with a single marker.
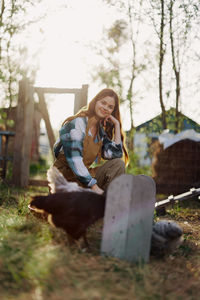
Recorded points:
(81, 98)
(36, 182)
(18, 142)
(77, 102)
(44, 112)
(23, 135)
(55, 90)
(27, 139)
(84, 95)
(80, 94)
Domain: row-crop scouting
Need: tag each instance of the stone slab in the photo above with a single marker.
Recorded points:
(128, 219)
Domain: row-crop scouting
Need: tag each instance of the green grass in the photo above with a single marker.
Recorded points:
(135, 168)
(36, 261)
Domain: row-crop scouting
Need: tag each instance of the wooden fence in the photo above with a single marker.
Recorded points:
(24, 124)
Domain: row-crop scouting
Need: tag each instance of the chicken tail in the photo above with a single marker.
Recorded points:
(58, 183)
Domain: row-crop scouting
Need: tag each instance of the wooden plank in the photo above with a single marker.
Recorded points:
(5, 158)
(77, 102)
(7, 133)
(45, 116)
(28, 133)
(23, 135)
(18, 141)
(81, 98)
(37, 182)
(35, 153)
(53, 90)
(84, 95)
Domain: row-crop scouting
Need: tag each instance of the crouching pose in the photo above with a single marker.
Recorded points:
(95, 132)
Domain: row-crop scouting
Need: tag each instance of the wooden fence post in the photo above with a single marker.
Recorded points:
(23, 135)
(77, 101)
(81, 96)
(84, 95)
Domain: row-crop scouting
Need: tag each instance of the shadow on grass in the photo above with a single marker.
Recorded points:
(28, 254)
(37, 257)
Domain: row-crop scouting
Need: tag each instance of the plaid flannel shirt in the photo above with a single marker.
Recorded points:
(71, 137)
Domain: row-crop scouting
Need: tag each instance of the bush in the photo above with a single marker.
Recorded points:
(39, 167)
(134, 167)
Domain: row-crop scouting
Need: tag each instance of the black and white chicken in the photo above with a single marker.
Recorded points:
(166, 237)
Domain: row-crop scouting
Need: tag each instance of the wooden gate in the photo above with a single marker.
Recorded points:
(24, 124)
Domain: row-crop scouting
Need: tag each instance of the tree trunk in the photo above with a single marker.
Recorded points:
(161, 60)
(176, 69)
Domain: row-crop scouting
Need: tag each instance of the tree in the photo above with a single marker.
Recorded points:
(173, 22)
(109, 72)
(181, 19)
(159, 20)
(117, 71)
(13, 21)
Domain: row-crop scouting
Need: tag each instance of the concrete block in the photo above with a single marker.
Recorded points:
(128, 218)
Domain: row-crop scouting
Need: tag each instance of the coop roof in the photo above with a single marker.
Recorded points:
(155, 124)
(168, 139)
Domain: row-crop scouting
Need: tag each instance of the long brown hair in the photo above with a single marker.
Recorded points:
(89, 111)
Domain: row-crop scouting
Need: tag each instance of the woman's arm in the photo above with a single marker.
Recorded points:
(112, 149)
(72, 135)
(117, 133)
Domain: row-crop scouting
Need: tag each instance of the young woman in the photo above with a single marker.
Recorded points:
(94, 133)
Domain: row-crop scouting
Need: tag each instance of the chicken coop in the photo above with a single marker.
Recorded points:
(177, 167)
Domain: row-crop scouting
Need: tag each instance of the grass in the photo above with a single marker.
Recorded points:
(37, 263)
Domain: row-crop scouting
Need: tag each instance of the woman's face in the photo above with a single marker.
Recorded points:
(104, 107)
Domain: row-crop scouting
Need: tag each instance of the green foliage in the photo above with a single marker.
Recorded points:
(155, 125)
(39, 168)
(119, 71)
(14, 55)
(117, 34)
(3, 115)
(134, 167)
(4, 121)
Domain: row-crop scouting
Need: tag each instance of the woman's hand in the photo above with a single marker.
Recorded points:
(117, 136)
(97, 189)
(111, 119)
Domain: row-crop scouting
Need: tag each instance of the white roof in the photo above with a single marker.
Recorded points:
(168, 139)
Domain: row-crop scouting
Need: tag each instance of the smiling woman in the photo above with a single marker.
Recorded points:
(95, 132)
(105, 107)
